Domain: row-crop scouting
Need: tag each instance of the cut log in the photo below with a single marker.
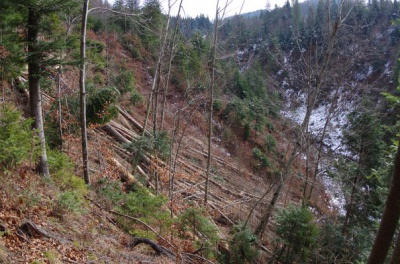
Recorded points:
(125, 174)
(135, 124)
(115, 134)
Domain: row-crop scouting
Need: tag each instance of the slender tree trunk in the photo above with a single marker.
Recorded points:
(59, 108)
(35, 98)
(171, 56)
(350, 207)
(327, 121)
(156, 82)
(389, 220)
(349, 211)
(82, 86)
(210, 116)
(267, 215)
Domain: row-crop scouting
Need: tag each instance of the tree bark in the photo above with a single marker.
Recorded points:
(267, 215)
(389, 220)
(396, 252)
(82, 84)
(34, 75)
(156, 247)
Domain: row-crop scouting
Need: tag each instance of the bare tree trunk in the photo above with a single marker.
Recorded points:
(35, 99)
(82, 84)
(327, 121)
(211, 102)
(171, 56)
(157, 75)
(284, 177)
(59, 108)
(267, 215)
(389, 219)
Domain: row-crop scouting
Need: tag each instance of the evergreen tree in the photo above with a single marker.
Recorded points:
(37, 17)
(133, 5)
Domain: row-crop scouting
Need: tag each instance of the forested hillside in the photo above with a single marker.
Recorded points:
(129, 134)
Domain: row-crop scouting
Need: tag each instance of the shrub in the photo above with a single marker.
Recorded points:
(297, 234)
(17, 141)
(193, 220)
(242, 245)
(68, 201)
(147, 143)
(145, 206)
(270, 143)
(125, 81)
(73, 188)
(261, 158)
(100, 105)
(136, 98)
(109, 193)
(62, 171)
(217, 105)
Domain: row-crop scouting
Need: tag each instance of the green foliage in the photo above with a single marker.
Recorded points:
(363, 137)
(17, 140)
(94, 46)
(140, 203)
(136, 98)
(261, 158)
(148, 208)
(242, 245)
(217, 106)
(150, 27)
(109, 193)
(125, 81)
(330, 243)
(149, 143)
(189, 70)
(73, 188)
(68, 201)
(133, 44)
(296, 234)
(195, 221)
(251, 115)
(101, 105)
(11, 57)
(270, 143)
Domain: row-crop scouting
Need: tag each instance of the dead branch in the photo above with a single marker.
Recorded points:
(100, 207)
(190, 255)
(221, 213)
(156, 247)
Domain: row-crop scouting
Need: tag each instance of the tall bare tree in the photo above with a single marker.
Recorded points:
(219, 15)
(82, 89)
